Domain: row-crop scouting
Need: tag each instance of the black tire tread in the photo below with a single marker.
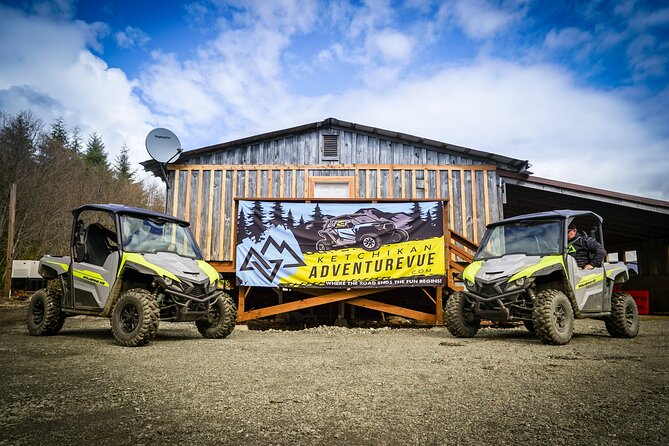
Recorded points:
(454, 320)
(53, 319)
(616, 324)
(544, 326)
(226, 322)
(149, 321)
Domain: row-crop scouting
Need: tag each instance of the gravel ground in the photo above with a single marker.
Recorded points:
(331, 386)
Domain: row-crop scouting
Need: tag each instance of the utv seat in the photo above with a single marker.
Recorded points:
(97, 248)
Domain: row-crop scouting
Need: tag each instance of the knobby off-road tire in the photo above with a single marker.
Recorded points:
(370, 242)
(460, 323)
(45, 317)
(553, 317)
(624, 319)
(135, 318)
(221, 319)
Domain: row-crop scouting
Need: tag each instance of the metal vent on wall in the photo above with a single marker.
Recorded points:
(331, 147)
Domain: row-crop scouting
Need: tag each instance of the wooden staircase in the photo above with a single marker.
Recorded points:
(461, 253)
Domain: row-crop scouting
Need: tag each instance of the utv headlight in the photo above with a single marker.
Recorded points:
(469, 283)
(168, 281)
(519, 282)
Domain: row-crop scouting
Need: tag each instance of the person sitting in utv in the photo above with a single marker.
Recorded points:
(587, 251)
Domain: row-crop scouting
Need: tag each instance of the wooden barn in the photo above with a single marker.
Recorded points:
(334, 159)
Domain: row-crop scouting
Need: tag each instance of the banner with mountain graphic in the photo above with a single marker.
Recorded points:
(340, 245)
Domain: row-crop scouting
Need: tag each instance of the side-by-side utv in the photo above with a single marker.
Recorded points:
(523, 271)
(136, 267)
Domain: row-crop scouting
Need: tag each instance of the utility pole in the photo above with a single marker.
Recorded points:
(10, 242)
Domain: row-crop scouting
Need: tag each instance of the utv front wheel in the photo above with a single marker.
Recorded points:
(135, 318)
(460, 322)
(45, 317)
(221, 319)
(553, 317)
(370, 242)
(624, 319)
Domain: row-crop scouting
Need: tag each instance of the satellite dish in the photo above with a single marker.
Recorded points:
(163, 145)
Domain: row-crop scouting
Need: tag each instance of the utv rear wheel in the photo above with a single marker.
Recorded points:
(322, 245)
(135, 318)
(370, 242)
(624, 319)
(45, 317)
(461, 322)
(553, 317)
(221, 319)
(399, 235)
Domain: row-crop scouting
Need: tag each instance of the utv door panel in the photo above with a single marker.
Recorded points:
(92, 284)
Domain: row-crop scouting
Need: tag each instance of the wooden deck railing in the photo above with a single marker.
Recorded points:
(461, 254)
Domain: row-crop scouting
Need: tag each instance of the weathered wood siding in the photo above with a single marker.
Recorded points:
(203, 190)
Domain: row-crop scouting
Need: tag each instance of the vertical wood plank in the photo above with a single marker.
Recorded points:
(367, 183)
(404, 188)
(210, 210)
(175, 194)
(485, 197)
(451, 205)
(306, 183)
(235, 173)
(187, 205)
(378, 183)
(221, 225)
(437, 174)
(413, 183)
(198, 222)
(463, 202)
(258, 183)
(294, 184)
(391, 191)
(270, 174)
(281, 182)
(475, 221)
(426, 184)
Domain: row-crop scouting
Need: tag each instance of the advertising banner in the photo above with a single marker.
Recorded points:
(340, 245)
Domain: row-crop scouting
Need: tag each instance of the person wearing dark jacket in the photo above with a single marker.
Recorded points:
(587, 251)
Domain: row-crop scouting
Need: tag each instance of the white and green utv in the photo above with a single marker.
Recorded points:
(522, 271)
(136, 267)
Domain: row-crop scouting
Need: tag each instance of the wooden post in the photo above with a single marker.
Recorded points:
(10, 242)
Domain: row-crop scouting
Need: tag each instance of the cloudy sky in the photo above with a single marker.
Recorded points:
(577, 88)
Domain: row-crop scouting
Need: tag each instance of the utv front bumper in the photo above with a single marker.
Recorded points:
(504, 306)
(188, 308)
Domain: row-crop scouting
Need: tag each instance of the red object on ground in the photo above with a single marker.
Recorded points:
(642, 300)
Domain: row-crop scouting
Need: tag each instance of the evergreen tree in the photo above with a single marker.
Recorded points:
(59, 133)
(416, 211)
(290, 221)
(277, 214)
(242, 228)
(122, 165)
(257, 226)
(317, 216)
(75, 141)
(95, 154)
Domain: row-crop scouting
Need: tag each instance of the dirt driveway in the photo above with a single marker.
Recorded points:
(332, 386)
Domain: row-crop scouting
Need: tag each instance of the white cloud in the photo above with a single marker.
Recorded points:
(131, 37)
(393, 46)
(483, 19)
(49, 70)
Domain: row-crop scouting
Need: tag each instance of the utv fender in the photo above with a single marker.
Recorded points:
(127, 266)
(619, 274)
(52, 267)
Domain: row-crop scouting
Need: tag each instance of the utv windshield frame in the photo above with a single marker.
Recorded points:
(145, 234)
(531, 237)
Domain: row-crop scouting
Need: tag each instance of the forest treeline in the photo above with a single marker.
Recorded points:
(55, 171)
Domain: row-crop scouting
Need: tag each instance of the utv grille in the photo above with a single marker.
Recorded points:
(491, 289)
(198, 290)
